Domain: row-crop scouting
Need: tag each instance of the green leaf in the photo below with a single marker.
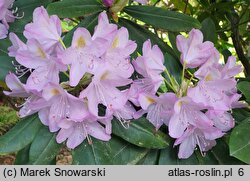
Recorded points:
(168, 156)
(89, 22)
(22, 157)
(162, 18)
(244, 87)
(241, 114)
(221, 153)
(173, 66)
(239, 143)
(6, 66)
(114, 152)
(140, 35)
(172, 38)
(226, 53)
(208, 29)
(141, 133)
(44, 148)
(75, 8)
(151, 158)
(4, 44)
(21, 135)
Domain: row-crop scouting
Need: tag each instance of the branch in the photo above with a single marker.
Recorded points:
(234, 20)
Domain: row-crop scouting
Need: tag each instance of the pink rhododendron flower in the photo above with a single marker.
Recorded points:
(44, 28)
(20, 90)
(103, 90)
(222, 120)
(104, 29)
(193, 51)
(211, 91)
(6, 15)
(151, 63)
(46, 67)
(16, 45)
(159, 109)
(83, 55)
(150, 66)
(77, 132)
(204, 138)
(118, 53)
(187, 112)
(60, 105)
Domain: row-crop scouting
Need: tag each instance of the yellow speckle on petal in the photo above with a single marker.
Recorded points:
(209, 77)
(150, 100)
(104, 75)
(179, 104)
(55, 92)
(81, 42)
(41, 53)
(115, 43)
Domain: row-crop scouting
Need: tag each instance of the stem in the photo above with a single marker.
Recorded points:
(183, 71)
(185, 9)
(60, 40)
(170, 86)
(169, 76)
(234, 19)
(65, 73)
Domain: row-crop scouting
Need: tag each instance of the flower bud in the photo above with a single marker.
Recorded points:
(107, 3)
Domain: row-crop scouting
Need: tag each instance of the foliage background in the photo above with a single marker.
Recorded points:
(226, 23)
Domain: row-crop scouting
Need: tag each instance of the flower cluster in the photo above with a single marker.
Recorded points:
(6, 16)
(199, 111)
(100, 87)
(96, 65)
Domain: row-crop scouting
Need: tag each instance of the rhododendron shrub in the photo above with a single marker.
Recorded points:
(98, 87)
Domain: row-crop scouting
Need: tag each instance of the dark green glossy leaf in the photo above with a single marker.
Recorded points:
(244, 87)
(226, 53)
(239, 141)
(4, 44)
(140, 35)
(173, 66)
(21, 135)
(168, 156)
(22, 157)
(44, 148)
(172, 38)
(221, 153)
(75, 8)
(114, 152)
(208, 29)
(151, 158)
(141, 133)
(6, 66)
(241, 114)
(162, 18)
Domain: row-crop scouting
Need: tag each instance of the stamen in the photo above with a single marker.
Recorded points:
(124, 123)
(20, 70)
